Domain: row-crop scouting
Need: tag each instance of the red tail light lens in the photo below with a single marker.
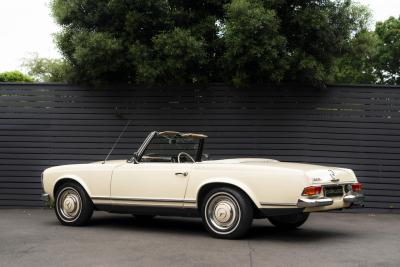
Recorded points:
(356, 187)
(312, 191)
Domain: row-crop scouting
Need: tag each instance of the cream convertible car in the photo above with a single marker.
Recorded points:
(167, 176)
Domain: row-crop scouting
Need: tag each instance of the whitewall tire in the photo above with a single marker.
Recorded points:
(73, 206)
(227, 213)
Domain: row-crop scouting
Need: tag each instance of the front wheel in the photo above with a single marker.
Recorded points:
(73, 206)
(289, 222)
(227, 213)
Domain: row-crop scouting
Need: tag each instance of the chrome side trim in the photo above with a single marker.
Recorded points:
(137, 199)
(276, 204)
(316, 202)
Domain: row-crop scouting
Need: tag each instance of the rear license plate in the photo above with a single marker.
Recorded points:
(333, 191)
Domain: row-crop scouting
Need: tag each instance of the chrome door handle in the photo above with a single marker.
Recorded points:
(182, 173)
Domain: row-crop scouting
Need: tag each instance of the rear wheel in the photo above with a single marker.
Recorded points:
(227, 213)
(289, 222)
(73, 206)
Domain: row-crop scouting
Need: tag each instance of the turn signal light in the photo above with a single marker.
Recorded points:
(312, 191)
(356, 187)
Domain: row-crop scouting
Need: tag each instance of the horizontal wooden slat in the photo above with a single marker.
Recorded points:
(21, 203)
(21, 191)
(16, 197)
(20, 185)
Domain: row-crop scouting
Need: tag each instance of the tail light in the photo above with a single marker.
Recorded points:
(312, 191)
(356, 187)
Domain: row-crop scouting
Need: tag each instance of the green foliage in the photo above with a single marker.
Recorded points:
(176, 56)
(317, 32)
(15, 76)
(372, 56)
(255, 50)
(93, 55)
(388, 58)
(178, 41)
(358, 64)
(47, 70)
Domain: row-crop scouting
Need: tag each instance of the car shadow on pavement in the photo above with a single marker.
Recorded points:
(303, 234)
(194, 227)
(158, 224)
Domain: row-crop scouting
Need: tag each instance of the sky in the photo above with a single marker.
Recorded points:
(27, 27)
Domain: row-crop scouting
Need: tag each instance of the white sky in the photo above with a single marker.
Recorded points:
(382, 9)
(26, 27)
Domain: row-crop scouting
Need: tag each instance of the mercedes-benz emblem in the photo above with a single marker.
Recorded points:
(333, 176)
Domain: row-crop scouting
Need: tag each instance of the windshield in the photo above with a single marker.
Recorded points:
(167, 146)
(167, 149)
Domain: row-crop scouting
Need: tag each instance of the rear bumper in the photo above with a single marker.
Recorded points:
(316, 202)
(353, 199)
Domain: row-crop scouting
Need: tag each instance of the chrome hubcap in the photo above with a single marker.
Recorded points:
(69, 204)
(222, 212)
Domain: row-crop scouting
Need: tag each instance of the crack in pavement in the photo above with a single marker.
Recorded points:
(251, 250)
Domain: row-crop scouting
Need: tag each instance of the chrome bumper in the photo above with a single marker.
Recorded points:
(314, 202)
(357, 199)
(354, 199)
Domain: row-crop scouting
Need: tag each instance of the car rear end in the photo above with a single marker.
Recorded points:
(330, 189)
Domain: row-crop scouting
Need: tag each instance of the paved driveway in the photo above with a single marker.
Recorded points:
(34, 238)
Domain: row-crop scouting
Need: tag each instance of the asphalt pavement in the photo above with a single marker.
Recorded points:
(35, 238)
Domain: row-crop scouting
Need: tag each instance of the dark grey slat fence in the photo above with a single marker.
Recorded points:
(356, 127)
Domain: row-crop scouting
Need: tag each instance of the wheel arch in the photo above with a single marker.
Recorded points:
(70, 178)
(220, 182)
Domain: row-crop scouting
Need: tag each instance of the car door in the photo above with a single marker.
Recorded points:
(150, 184)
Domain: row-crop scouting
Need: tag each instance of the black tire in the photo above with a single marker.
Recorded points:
(235, 216)
(289, 222)
(80, 208)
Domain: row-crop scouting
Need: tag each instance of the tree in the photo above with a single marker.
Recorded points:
(175, 56)
(388, 57)
(255, 50)
(372, 56)
(15, 76)
(358, 64)
(318, 32)
(180, 41)
(47, 70)
(138, 41)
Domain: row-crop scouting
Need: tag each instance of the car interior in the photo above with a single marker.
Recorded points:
(174, 147)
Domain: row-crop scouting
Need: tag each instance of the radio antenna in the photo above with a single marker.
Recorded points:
(116, 142)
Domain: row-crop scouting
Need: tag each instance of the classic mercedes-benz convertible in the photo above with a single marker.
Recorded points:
(168, 176)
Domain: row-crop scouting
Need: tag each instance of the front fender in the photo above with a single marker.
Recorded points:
(73, 177)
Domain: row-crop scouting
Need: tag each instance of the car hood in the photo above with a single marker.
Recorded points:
(110, 164)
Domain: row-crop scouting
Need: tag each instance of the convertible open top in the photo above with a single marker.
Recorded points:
(173, 134)
(165, 177)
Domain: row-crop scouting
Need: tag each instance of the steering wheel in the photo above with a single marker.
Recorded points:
(186, 155)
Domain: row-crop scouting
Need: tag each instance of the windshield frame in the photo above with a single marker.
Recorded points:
(137, 156)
